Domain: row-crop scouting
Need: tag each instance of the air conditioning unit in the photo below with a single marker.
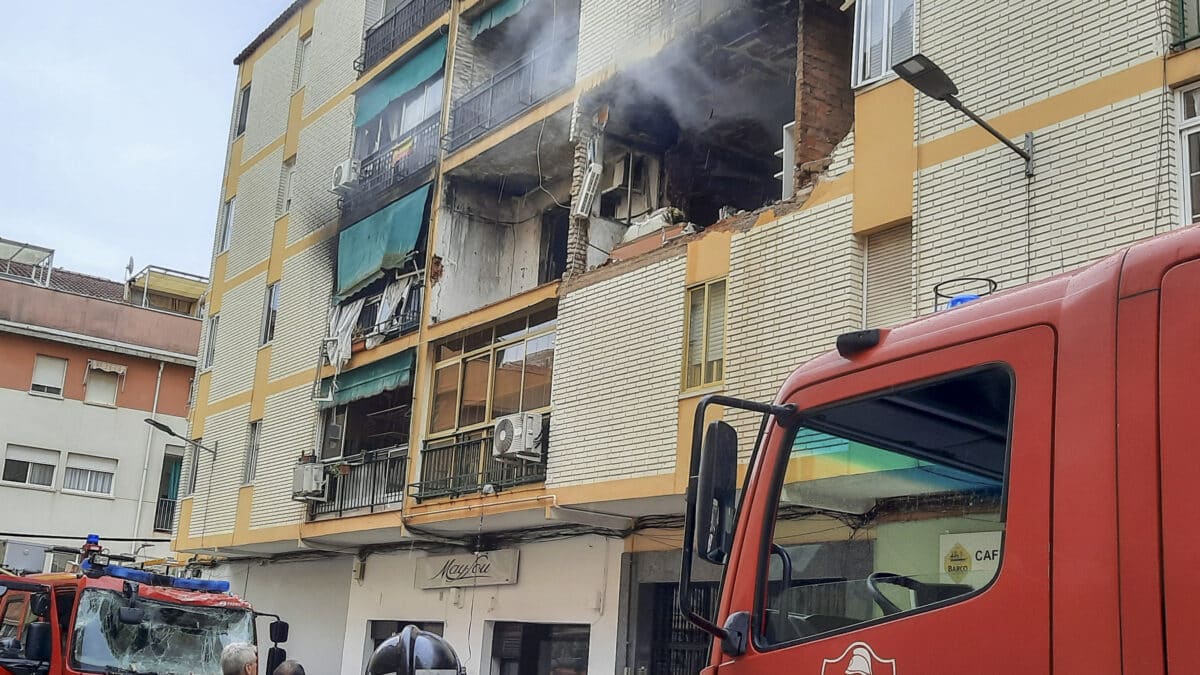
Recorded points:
(344, 175)
(518, 438)
(588, 190)
(308, 483)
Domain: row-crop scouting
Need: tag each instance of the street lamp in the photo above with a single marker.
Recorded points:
(926, 77)
(171, 432)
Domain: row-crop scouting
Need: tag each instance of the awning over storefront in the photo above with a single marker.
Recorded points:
(372, 379)
(495, 15)
(380, 242)
(373, 99)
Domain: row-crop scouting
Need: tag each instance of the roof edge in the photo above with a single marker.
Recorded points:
(268, 32)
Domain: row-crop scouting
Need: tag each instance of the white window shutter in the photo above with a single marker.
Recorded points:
(101, 387)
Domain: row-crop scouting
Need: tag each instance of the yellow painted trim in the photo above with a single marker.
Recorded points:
(308, 15)
(309, 240)
(226, 404)
(235, 167)
(1101, 92)
(278, 249)
(492, 312)
(291, 138)
(217, 284)
(245, 505)
(185, 524)
(708, 257)
(258, 394)
(658, 539)
(828, 190)
(289, 382)
(247, 67)
(245, 275)
(390, 348)
(884, 157)
(498, 136)
(200, 405)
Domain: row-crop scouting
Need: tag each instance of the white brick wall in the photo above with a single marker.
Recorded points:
(621, 31)
(237, 338)
(254, 214)
(336, 43)
(617, 377)
(1100, 180)
(1023, 51)
(794, 285)
(289, 428)
(841, 159)
(304, 291)
(215, 509)
(323, 144)
(270, 91)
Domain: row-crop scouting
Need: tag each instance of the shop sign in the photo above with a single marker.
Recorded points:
(491, 568)
(970, 558)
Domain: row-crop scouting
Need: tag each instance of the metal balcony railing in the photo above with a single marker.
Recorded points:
(164, 514)
(403, 323)
(397, 28)
(388, 168)
(464, 464)
(375, 483)
(510, 92)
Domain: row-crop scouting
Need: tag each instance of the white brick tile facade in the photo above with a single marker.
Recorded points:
(270, 91)
(214, 504)
(254, 215)
(238, 338)
(289, 429)
(336, 43)
(323, 144)
(616, 32)
(616, 377)
(304, 291)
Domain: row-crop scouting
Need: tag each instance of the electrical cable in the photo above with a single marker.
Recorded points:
(83, 537)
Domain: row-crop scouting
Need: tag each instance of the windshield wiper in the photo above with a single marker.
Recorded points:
(117, 670)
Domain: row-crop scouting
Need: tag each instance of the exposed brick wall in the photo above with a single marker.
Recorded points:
(824, 100)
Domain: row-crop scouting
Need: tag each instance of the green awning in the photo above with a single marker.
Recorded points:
(372, 379)
(382, 241)
(495, 15)
(374, 98)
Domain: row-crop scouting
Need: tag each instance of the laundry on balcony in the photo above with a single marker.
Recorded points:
(392, 305)
(495, 15)
(370, 380)
(342, 321)
(385, 240)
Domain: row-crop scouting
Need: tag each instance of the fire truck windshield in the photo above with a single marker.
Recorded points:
(171, 640)
(889, 503)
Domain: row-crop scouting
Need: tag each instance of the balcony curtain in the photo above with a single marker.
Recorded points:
(373, 99)
(495, 15)
(391, 304)
(372, 379)
(382, 241)
(341, 326)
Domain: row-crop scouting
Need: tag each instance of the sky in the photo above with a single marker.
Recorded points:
(114, 118)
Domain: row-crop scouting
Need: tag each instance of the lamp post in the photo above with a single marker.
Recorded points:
(926, 77)
(171, 432)
(211, 466)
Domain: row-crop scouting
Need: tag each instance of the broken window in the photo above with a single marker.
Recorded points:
(371, 424)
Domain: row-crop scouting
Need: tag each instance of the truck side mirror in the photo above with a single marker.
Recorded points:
(716, 493)
(131, 616)
(37, 641)
(279, 632)
(275, 656)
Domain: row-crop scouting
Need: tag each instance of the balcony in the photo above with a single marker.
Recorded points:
(463, 464)
(388, 171)
(164, 514)
(375, 482)
(510, 92)
(397, 28)
(403, 322)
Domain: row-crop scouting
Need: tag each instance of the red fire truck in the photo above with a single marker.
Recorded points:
(115, 619)
(1002, 487)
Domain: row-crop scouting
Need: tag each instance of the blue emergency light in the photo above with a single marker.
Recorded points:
(98, 563)
(961, 299)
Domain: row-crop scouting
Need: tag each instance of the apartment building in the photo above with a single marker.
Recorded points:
(477, 261)
(83, 362)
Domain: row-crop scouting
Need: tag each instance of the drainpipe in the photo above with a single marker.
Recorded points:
(137, 518)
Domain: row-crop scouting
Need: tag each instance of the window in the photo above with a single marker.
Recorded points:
(226, 233)
(270, 310)
(908, 498)
(494, 372)
(49, 374)
(704, 350)
(210, 347)
(193, 468)
(382, 630)
(102, 383)
(883, 36)
(1189, 125)
(86, 473)
(251, 461)
(536, 648)
(302, 57)
(287, 186)
(243, 110)
(889, 279)
(378, 423)
(32, 466)
(15, 616)
(391, 127)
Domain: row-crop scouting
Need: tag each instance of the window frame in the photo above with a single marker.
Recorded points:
(210, 343)
(112, 476)
(250, 459)
(861, 33)
(778, 474)
(270, 315)
(28, 466)
(1186, 127)
(193, 473)
(289, 186)
(491, 349)
(243, 111)
(687, 326)
(87, 388)
(228, 208)
(303, 52)
(405, 128)
(62, 385)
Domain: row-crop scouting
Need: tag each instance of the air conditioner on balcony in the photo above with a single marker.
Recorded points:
(518, 438)
(344, 175)
(308, 483)
(588, 190)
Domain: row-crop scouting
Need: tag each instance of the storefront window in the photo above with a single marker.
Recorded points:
(539, 649)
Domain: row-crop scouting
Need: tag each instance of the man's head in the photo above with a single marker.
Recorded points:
(239, 658)
(289, 667)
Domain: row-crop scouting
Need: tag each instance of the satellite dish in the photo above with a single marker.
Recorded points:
(129, 267)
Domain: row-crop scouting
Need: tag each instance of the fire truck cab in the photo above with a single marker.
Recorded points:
(1002, 487)
(115, 619)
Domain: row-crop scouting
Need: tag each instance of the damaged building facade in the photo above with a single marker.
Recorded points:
(477, 261)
